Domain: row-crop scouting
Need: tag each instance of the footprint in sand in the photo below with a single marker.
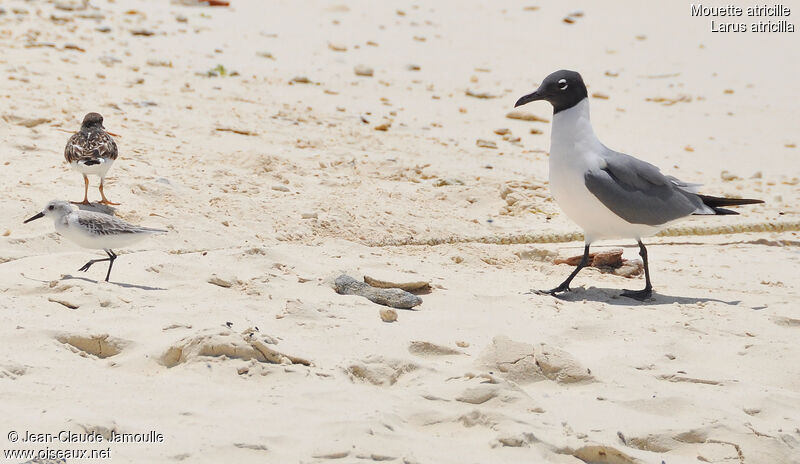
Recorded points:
(697, 441)
(524, 363)
(227, 344)
(102, 346)
(428, 349)
(601, 454)
(378, 370)
(9, 371)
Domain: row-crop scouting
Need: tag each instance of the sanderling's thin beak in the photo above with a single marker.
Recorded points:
(40, 215)
(529, 98)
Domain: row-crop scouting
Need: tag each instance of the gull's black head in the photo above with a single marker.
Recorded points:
(92, 120)
(563, 89)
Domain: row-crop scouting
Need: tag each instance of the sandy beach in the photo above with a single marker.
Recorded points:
(283, 144)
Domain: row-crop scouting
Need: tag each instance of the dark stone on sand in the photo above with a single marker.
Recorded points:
(393, 297)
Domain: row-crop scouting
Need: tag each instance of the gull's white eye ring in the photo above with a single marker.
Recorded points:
(562, 84)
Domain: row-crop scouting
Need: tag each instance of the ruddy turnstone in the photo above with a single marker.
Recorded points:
(91, 150)
(94, 230)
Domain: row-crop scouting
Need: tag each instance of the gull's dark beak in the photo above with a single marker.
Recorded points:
(40, 215)
(529, 98)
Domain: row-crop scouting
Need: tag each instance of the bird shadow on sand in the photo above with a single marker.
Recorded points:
(119, 284)
(613, 296)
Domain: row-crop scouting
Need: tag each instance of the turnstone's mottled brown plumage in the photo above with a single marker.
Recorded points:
(91, 150)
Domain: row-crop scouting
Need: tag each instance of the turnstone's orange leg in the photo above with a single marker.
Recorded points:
(105, 200)
(85, 193)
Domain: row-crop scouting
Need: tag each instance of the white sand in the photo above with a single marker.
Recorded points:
(707, 372)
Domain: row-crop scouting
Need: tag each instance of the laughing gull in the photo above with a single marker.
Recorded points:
(607, 193)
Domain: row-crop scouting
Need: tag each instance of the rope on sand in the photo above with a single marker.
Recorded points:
(552, 237)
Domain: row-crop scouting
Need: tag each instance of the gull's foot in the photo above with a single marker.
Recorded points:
(640, 295)
(552, 292)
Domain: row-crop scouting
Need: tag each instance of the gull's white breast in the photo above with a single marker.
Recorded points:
(574, 150)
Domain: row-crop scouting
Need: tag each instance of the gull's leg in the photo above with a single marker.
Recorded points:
(89, 264)
(111, 257)
(564, 287)
(647, 291)
(85, 192)
(105, 200)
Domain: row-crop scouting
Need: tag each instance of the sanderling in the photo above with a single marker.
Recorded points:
(91, 150)
(94, 230)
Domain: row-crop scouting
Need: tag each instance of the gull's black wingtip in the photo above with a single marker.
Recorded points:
(712, 202)
(717, 203)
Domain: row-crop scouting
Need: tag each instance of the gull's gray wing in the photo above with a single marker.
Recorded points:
(103, 224)
(636, 191)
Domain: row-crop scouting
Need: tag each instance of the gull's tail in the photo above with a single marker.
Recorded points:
(716, 203)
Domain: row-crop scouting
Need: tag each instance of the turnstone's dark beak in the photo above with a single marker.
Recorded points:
(111, 133)
(529, 98)
(40, 215)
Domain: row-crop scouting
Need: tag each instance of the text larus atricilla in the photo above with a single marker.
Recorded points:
(607, 193)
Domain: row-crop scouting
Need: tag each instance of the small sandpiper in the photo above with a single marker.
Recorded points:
(91, 150)
(94, 230)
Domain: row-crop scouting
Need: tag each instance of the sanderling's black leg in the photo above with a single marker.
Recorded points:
(564, 287)
(111, 257)
(89, 264)
(647, 291)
